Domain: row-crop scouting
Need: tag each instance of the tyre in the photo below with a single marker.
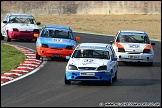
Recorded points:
(35, 40)
(150, 63)
(115, 78)
(37, 56)
(8, 38)
(110, 81)
(2, 37)
(67, 81)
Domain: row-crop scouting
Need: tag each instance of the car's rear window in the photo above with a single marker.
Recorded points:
(49, 33)
(22, 19)
(133, 38)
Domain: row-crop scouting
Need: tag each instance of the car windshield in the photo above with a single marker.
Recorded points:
(87, 53)
(133, 38)
(57, 34)
(22, 19)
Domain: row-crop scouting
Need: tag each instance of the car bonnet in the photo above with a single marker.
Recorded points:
(88, 62)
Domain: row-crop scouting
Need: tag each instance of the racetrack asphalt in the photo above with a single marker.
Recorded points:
(26, 67)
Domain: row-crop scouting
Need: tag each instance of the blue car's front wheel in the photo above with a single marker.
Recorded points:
(115, 78)
(110, 81)
(67, 81)
(37, 56)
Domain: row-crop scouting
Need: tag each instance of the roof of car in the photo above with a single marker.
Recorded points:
(99, 46)
(18, 14)
(134, 31)
(57, 26)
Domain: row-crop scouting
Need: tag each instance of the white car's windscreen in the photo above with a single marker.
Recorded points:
(87, 53)
(133, 38)
(22, 19)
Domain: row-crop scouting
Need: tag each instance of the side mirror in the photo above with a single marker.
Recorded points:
(77, 38)
(152, 43)
(67, 57)
(4, 21)
(38, 23)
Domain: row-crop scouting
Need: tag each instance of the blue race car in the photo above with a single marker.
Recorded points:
(55, 41)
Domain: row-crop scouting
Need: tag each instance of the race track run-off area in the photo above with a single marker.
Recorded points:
(24, 68)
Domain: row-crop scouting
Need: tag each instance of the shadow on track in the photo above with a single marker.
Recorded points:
(139, 64)
(119, 82)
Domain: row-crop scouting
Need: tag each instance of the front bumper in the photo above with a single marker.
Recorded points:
(51, 52)
(142, 57)
(22, 34)
(87, 76)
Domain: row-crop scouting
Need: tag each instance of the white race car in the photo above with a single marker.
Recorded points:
(19, 26)
(133, 46)
(92, 62)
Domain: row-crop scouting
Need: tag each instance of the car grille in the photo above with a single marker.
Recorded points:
(86, 77)
(86, 68)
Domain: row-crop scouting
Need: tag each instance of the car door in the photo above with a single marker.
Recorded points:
(114, 63)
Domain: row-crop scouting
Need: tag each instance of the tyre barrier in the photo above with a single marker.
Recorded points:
(25, 67)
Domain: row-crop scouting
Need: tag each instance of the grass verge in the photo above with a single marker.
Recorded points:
(10, 58)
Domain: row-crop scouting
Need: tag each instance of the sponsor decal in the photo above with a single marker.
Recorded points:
(87, 61)
(134, 45)
(59, 41)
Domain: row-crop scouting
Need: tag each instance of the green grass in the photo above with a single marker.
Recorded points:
(10, 58)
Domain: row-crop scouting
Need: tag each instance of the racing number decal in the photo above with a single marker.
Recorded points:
(57, 40)
(86, 61)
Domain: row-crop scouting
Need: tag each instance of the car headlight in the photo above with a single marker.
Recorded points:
(102, 68)
(121, 50)
(72, 67)
(147, 49)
